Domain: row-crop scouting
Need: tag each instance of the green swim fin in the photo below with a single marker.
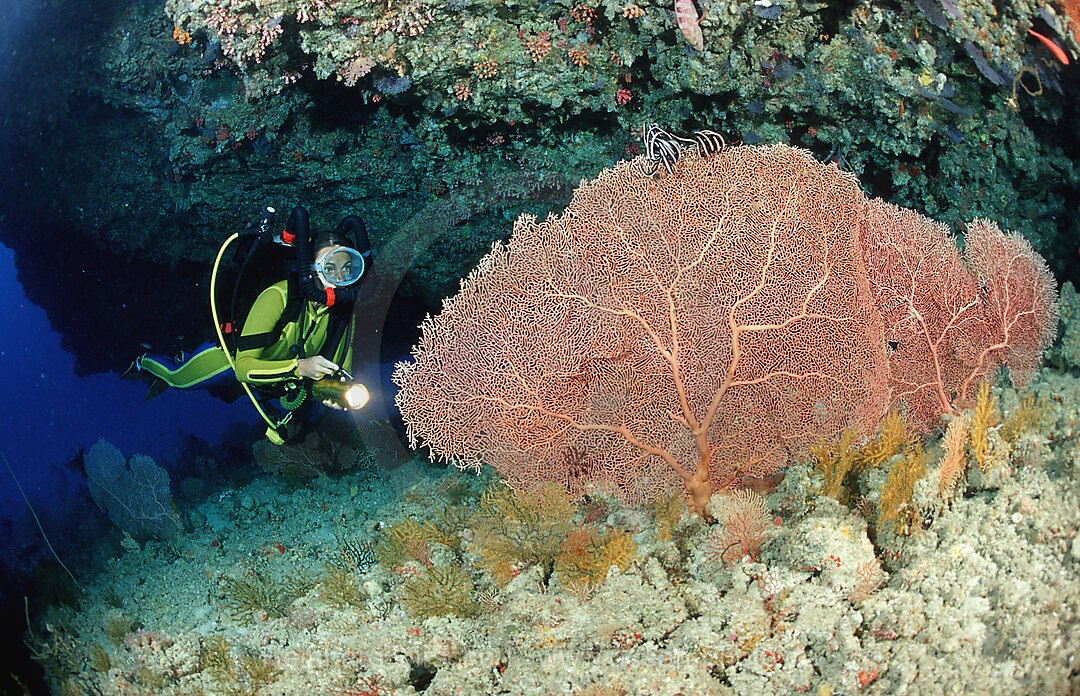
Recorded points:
(157, 387)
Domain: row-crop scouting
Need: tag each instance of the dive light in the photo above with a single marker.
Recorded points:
(341, 392)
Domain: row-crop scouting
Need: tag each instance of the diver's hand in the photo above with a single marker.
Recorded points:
(315, 367)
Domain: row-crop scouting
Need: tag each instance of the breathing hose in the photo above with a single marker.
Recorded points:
(272, 431)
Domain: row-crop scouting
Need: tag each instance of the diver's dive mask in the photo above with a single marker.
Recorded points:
(341, 266)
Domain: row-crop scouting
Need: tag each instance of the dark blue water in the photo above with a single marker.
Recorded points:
(50, 412)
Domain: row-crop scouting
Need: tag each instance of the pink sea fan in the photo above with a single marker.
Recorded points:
(744, 527)
(686, 15)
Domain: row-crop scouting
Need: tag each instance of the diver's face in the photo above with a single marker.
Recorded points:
(335, 265)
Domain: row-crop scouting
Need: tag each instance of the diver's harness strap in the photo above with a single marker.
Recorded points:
(292, 313)
(340, 318)
(251, 341)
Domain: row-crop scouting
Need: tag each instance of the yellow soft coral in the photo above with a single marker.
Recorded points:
(834, 461)
(983, 420)
(588, 554)
(438, 591)
(895, 509)
(890, 440)
(515, 529)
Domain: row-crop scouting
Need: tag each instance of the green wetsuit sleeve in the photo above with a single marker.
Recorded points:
(255, 365)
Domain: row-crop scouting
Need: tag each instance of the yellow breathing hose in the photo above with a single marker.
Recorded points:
(271, 432)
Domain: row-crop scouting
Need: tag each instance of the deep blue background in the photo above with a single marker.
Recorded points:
(49, 412)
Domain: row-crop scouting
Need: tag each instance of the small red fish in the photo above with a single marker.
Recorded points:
(1058, 51)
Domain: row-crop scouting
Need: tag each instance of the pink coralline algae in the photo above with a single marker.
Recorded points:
(623, 96)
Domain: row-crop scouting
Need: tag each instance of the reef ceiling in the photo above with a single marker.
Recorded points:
(144, 133)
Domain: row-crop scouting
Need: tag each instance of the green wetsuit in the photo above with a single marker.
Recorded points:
(270, 362)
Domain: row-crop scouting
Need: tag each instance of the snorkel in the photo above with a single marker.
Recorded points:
(310, 286)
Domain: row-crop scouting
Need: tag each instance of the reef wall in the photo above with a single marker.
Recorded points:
(159, 129)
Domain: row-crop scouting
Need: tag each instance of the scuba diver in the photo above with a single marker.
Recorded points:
(296, 341)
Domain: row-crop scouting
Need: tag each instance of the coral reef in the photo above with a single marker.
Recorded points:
(909, 562)
(975, 595)
(1066, 354)
(192, 119)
